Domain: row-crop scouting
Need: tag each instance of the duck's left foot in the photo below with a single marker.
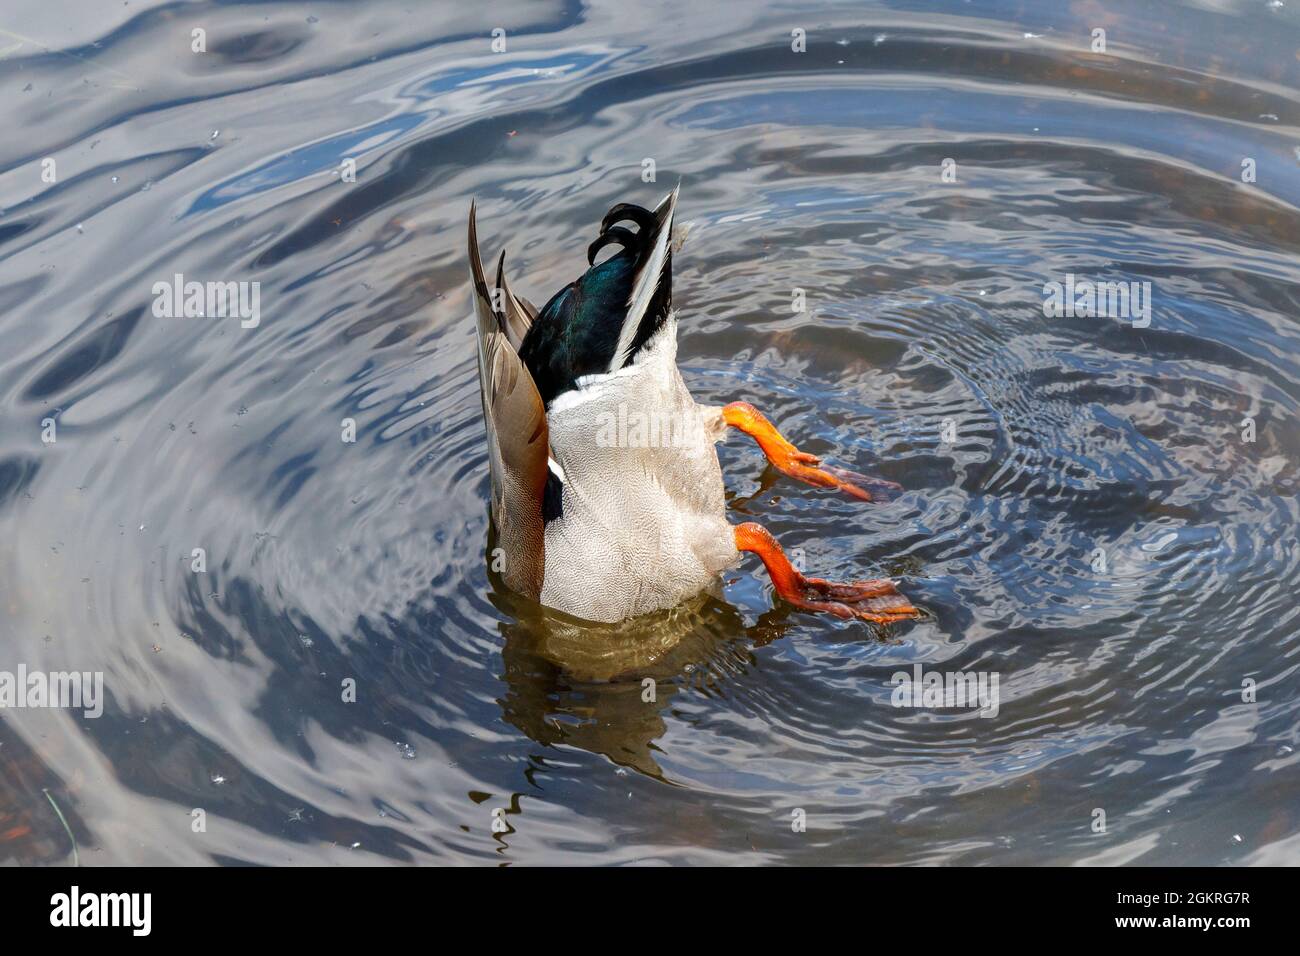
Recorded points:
(877, 600)
(798, 464)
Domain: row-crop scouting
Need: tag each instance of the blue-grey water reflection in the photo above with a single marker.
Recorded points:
(1027, 444)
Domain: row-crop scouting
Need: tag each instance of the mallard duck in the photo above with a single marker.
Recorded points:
(607, 495)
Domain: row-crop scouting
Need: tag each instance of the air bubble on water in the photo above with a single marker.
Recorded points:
(406, 750)
(1275, 4)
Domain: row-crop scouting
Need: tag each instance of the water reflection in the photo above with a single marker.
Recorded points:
(606, 688)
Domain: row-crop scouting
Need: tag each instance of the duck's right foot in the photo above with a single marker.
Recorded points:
(877, 600)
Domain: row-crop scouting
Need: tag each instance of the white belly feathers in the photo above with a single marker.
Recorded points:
(644, 518)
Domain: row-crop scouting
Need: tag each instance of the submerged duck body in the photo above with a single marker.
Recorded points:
(603, 520)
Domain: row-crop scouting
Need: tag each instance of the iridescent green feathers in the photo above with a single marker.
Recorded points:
(597, 323)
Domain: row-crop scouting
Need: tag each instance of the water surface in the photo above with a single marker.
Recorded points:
(1027, 444)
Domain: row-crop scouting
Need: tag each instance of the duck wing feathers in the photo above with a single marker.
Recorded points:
(518, 437)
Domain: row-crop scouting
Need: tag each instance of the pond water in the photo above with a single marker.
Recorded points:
(1099, 510)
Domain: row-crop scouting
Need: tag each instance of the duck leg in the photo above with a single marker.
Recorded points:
(801, 465)
(878, 600)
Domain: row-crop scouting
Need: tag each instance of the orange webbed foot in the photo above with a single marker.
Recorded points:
(876, 600)
(789, 460)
